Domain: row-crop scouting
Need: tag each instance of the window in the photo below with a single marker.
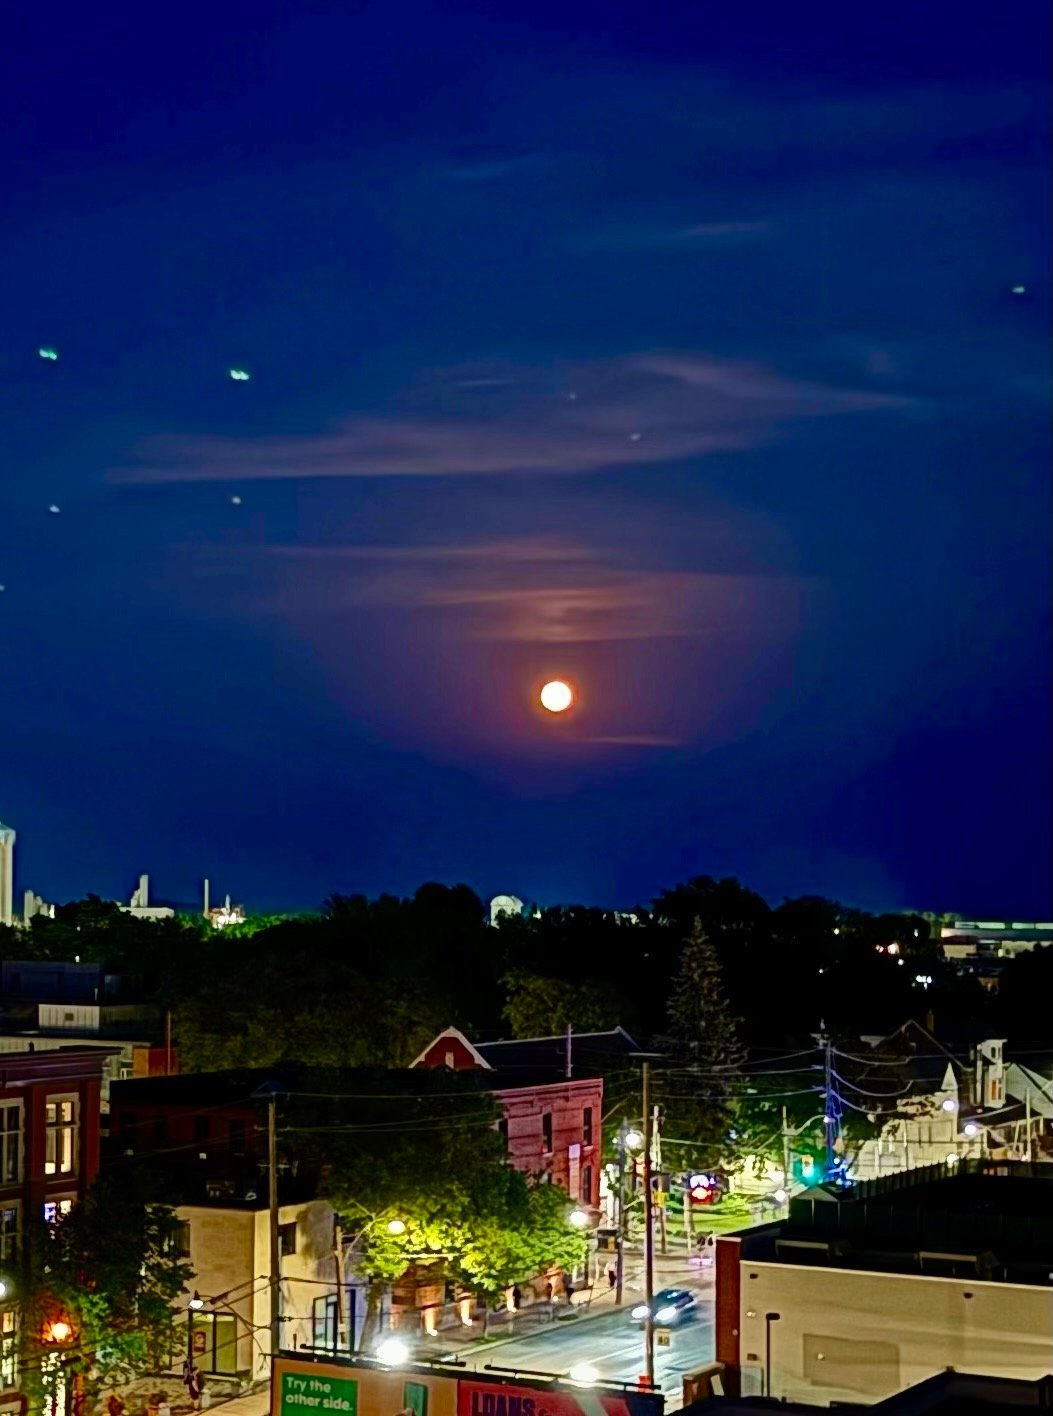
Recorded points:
(546, 1131)
(178, 1242)
(323, 1323)
(9, 1227)
(56, 1209)
(60, 1147)
(586, 1126)
(11, 1143)
(8, 1349)
(287, 1238)
(237, 1137)
(586, 1184)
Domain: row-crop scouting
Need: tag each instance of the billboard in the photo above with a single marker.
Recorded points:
(331, 1389)
(520, 1398)
(327, 1388)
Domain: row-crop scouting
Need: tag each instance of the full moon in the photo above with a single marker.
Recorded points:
(556, 696)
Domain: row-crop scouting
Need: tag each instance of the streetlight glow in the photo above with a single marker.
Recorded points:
(633, 1140)
(584, 1373)
(393, 1352)
(196, 1303)
(396, 1227)
(578, 1218)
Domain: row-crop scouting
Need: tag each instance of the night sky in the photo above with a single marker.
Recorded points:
(678, 357)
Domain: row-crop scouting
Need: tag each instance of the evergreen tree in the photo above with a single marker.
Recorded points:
(704, 1043)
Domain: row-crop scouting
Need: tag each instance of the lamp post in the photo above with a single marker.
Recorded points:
(629, 1139)
(194, 1305)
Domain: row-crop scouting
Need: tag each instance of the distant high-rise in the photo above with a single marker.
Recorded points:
(7, 874)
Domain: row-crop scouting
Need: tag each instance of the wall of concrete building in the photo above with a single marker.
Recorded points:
(850, 1335)
(223, 1257)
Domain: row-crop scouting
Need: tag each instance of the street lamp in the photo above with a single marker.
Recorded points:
(57, 1330)
(393, 1352)
(633, 1139)
(396, 1227)
(577, 1218)
(194, 1305)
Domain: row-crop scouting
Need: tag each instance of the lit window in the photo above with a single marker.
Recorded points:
(60, 1146)
(8, 1349)
(9, 1228)
(11, 1143)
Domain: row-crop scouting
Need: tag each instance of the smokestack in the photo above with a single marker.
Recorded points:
(205, 907)
(144, 891)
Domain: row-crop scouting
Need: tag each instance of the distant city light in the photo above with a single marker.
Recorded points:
(924, 979)
(893, 948)
(780, 1197)
(1019, 289)
(949, 1104)
(240, 375)
(46, 353)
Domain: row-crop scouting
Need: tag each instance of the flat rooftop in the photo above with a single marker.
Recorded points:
(983, 1219)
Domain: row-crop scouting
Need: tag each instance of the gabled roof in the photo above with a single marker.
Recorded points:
(452, 1035)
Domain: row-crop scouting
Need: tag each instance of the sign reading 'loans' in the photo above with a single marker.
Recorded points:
(319, 1394)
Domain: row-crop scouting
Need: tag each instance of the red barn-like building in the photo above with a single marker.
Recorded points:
(551, 1092)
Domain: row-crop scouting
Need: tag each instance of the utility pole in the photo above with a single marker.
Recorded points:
(829, 1116)
(269, 1092)
(786, 1160)
(619, 1258)
(272, 1197)
(648, 1229)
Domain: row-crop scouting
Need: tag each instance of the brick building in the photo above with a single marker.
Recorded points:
(551, 1092)
(49, 1155)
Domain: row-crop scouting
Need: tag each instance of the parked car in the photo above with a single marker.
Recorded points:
(671, 1307)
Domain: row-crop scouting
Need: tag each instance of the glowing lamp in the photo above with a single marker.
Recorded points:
(396, 1227)
(393, 1352)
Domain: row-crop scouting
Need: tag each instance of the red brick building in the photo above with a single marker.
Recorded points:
(551, 1092)
(49, 1155)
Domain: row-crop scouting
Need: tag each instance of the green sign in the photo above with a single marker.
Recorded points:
(302, 1393)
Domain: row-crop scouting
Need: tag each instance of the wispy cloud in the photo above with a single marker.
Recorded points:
(633, 411)
(542, 591)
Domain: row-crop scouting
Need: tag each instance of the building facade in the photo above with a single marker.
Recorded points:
(864, 1291)
(49, 1155)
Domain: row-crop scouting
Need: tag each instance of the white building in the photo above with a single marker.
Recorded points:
(7, 874)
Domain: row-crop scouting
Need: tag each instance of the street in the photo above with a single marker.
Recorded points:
(610, 1344)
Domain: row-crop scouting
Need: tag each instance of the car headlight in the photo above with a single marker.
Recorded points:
(640, 1312)
(666, 1315)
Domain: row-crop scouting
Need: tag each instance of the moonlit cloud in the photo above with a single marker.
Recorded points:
(687, 405)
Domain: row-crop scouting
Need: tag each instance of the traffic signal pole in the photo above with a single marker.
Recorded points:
(648, 1228)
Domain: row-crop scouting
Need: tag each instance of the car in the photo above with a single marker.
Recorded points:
(671, 1307)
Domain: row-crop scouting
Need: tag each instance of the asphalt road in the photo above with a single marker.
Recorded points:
(612, 1345)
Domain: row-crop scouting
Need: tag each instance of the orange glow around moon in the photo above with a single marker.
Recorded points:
(557, 696)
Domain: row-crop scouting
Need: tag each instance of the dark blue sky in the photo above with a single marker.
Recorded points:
(677, 356)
